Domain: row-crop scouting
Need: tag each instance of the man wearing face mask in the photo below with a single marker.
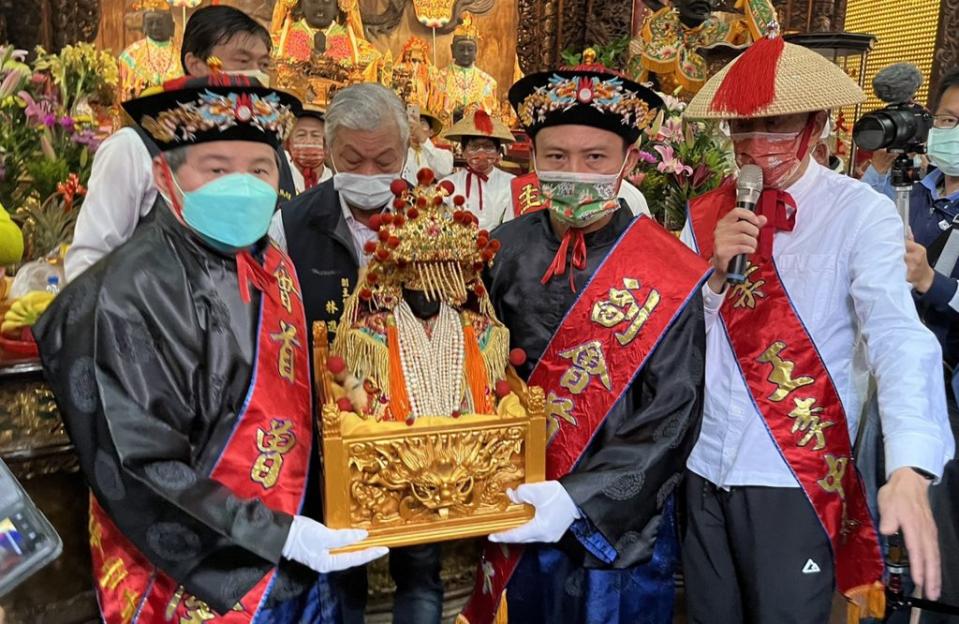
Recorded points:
(121, 191)
(181, 370)
(306, 149)
(777, 515)
(608, 310)
(485, 186)
(424, 127)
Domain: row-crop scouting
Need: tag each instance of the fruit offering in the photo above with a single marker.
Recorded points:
(24, 312)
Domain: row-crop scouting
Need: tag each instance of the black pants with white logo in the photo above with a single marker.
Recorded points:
(754, 555)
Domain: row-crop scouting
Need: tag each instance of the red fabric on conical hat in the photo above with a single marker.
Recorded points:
(750, 85)
(482, 121)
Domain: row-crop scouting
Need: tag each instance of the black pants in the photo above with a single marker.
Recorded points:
(754, 555)
(419, 590)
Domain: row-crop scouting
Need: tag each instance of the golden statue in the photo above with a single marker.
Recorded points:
(415, 77)
(674, 39)
(153, 60)
(462, 81)
(425, 422)
(333, 28)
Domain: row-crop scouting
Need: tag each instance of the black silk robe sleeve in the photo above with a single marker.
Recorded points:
(639, 454)
(131, 369)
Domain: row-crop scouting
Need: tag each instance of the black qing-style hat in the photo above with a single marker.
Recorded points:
(588, 95)
(219, 107)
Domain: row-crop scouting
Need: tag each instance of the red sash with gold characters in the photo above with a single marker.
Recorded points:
(526, 194)
(792, 389)
(605, 340)
(266, 458)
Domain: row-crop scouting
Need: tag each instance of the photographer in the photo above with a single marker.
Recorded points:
(932, 270)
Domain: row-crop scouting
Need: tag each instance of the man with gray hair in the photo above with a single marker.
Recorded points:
(324, 231)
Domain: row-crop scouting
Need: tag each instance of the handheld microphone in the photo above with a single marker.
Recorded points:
(749, 187)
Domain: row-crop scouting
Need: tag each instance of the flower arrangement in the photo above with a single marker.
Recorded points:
(50, 128)
(679, 160)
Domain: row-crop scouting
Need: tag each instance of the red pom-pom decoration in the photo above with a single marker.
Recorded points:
(398, 187)
(376, 221)
(393, 242)
(502, 388)
(372, 277)
(438, 200)
(399, 204)
(410, 420)
(458, 200)
(366, 294)
(488, 254)
(482, 233)
(479, 289)
(399, 220)
(344, 404)
(456, 414)
(425, 176)
(369, 247)
(478, 266)
(447, 186)
(517, 357)
(412, 213)
(336, 364)
(421, 202)
(495, 245)
(384, 235)
(382, 255)
(387, 218)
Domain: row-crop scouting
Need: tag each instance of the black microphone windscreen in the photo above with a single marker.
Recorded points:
(897, 83)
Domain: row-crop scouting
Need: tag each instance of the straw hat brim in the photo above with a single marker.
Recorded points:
(806, 82)
(465, 128)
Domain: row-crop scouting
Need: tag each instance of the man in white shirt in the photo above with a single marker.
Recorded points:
(486, 187)
(121, 191)
(777, 517)
(306, 150)
(423, 153)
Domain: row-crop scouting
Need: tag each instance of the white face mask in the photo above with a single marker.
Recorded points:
(366, 192)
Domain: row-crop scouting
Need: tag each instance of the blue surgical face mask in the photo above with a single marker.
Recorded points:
(943, 150)
(233, 210)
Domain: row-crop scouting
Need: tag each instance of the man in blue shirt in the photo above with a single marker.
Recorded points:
(932, 269)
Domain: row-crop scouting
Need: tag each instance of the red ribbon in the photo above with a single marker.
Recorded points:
(469, 183)
(779, 208)
(574, 237)
(249, 270)
(310, 178)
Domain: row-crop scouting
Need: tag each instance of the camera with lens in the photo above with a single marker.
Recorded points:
(900, 127)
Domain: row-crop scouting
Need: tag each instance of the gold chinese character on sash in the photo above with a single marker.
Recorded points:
(747, 294)
(286, 285)
(273, 445)
(622, 306)
(130, 602)
(96, 534)
(529, 198)
(558, 411)
(782, 373)
(331, 307)
(286, 363)
(835, 471)
(197, 611)
(588, 362)
(809, 422)
(112, 573)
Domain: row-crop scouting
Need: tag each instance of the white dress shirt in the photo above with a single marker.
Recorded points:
(298, 182)
(360, 233)
(497, 196)
(843, 268)
(120, 192)
(438, 159)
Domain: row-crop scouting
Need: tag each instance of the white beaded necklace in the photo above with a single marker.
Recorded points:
(432, 365)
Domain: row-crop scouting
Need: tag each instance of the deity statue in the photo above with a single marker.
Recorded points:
(675, 39)
(333, 28)
(153, 60)
(462, 81)
(415, 77)
(419, 337)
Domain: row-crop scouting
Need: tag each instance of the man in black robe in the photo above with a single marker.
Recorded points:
(179, 365)
(602, 546)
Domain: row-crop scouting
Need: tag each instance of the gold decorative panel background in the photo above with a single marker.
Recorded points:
(906, 33)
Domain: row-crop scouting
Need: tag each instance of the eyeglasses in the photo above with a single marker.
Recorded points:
(945, 122)
(482, 149)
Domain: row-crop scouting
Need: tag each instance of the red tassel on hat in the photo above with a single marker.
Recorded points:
(482, 121)
(750, 84)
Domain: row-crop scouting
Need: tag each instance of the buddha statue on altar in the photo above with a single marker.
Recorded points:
(415, 77)
(302, 29)
(153, 60)
(462, 81)
(676, 41)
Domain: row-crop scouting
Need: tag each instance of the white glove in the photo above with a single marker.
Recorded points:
(310, 542)
(555, 512)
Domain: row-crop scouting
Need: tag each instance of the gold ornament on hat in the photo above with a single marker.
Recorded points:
(151, 5)
(467, 29)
